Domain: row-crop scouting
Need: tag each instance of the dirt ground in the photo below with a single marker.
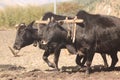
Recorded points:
(30, 66)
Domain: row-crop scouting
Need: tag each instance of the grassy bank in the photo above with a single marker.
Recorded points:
(14, 15)
(11, 16)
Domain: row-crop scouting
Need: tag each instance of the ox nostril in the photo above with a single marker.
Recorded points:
(14, 47)
(43, 42)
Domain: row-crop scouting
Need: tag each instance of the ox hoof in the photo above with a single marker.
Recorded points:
(51, 65)
(88, 71)
(105, 66)
(16, 55)
(76, 68)
(87, 75)
(111, 68)
(56, 70)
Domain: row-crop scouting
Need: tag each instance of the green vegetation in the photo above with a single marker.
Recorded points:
(15, 15)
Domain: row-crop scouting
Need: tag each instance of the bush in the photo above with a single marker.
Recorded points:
(15, 15)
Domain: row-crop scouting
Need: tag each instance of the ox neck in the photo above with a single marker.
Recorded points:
(35, 35)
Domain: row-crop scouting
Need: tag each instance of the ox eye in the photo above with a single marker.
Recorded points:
(19, 32)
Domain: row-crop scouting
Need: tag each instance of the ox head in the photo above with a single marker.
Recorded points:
(50, 32)
(57, 31)
(24, 36)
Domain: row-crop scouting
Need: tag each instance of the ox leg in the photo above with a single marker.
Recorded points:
(84, 60)
(56, 58)
(78, 60)
(104, 59)
(79, 63)
(114, 59)
(89, 58)
(45, 58)
(57, 54)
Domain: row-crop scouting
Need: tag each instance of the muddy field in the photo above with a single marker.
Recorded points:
(30, 66)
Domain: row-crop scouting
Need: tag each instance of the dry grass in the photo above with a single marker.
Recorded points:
(111, 7)
(14, 15)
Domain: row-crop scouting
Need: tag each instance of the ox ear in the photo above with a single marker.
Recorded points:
(30, 26)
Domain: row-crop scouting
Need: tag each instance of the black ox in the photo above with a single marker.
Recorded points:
(32, 34)
(98, 33)
(27, 35)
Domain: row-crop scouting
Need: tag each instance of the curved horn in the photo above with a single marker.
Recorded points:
(52, 18)
(48, 20)
(75, 18)
(17, 26)
(66, 18)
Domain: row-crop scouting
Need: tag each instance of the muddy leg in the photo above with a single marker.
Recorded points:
(114, 59)
(79, 63)
(89, 58)
(45, 58)
(104, 59)
(83, 61)
(56, 58)
(78, 59)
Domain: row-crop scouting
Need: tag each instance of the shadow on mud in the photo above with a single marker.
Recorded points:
(96, 68)
(8, 67)
(100, 68)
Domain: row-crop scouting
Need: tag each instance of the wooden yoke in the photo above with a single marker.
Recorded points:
(42, 21)
(72, 21)
(74, 29)
(75, 20)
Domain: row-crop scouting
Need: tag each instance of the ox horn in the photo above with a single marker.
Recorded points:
(66, 18)
(43, 22)
(14, 52)
(16, 26)
(75, 18)
(52, 19)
